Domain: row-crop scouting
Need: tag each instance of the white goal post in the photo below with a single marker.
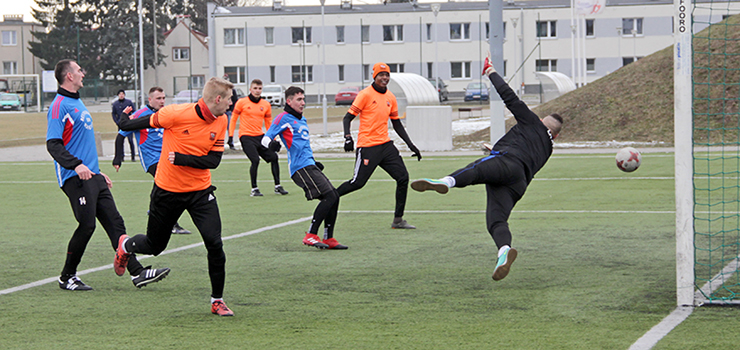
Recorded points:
(683, 144)
(36, 77)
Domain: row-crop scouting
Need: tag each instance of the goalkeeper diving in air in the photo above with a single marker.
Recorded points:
(507, 170)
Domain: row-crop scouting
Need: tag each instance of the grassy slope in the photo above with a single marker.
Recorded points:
(635, 103)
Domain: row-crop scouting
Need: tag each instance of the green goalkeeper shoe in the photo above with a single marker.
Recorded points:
(429, 184)
(504, 264)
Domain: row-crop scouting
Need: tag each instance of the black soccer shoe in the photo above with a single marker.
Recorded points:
(149, 275)
(280, 190)
(73, 283)
(178, 230)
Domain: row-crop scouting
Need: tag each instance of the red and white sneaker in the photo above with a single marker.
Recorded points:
(314, 241)
(218, 307)
(121, 260)
(488, 66)
(334, 244)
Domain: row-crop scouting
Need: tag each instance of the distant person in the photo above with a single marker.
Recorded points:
(149, 139)
(192, 144)
(118, 106)
(255, 112)
(375, 105)
(292, 128)
(507, 170)
(70, 140)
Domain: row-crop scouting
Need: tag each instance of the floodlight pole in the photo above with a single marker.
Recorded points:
(323, 69)
(496, 48)
(141, 51)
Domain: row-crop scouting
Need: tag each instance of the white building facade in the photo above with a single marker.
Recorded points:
(283, 45)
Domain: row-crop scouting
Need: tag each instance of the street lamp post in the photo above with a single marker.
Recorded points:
(435, 10)
(323, 69)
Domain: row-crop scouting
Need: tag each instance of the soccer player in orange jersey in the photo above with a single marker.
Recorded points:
(192, 143)
(255, 112)
(375, 105)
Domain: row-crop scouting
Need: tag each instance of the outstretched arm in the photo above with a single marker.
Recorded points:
(210, 161)
(521, 112)
(127, 124)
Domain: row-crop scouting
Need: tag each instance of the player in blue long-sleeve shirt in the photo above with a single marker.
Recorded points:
(292, 128)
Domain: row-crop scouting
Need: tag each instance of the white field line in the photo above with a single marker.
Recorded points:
(170, 251)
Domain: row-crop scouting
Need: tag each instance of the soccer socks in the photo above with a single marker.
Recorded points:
(449, 180)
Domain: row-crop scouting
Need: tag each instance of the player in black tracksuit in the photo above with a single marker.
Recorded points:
(507, 170)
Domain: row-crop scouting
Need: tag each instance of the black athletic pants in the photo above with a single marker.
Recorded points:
(92, 199)
(389, 159)
(317, 186)
(164, 210)
(505, 184)
(252, 146)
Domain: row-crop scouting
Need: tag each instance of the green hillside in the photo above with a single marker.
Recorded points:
(635, 103)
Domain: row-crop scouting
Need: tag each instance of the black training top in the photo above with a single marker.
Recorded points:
(529, 140)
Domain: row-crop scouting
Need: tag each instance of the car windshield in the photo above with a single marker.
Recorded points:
(271, 89)
(476, 86)
(8, 97)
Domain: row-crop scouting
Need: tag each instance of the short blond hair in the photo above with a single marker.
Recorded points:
(216, 87)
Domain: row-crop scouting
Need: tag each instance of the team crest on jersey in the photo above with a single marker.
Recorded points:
(388, 103)
(213, 136)
(262, 109)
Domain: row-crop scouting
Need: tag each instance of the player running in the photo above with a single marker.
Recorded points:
(292, 128)
(507, 170)
(149, 139)
(254, 111)
(70, 140)
(375, 105)
(192, 143)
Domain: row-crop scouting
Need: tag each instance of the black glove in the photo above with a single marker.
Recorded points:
(349, 144)
(320, 166)
(274, 146)
(231, 142)
(416, 153)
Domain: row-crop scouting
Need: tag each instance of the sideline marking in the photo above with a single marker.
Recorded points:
(169, 251)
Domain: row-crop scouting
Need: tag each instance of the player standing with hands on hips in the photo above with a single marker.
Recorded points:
(192, 144)
(375, 105)
(70, 140)
(507, 170)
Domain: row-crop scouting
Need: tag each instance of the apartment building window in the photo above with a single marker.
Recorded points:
(9, 38)
(547, 29)
(340, 34)
(198, 81)
(365, 72)
(590, 65)
(631, 26)
(393, 33)
(269, 35)
(628, 60)
(233, 36)
(459, 31)
(301, 33)
(180, 54)
(396, 67)
(237, 75)
(590, 28)
(299, 75)
(460, 70)
(430, 66)
(272, 74)
(546, 65)
(504, 32)
(365, 34)
(429, 32)
(488, 30)
(10, 67)
(340, 72)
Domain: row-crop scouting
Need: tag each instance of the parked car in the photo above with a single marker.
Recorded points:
(441, 89)
(10, 102)
(476, 91)
(187, 96)
(346, 95)
(275, 94)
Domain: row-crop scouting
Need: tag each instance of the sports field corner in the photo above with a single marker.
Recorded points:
(596, 266)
